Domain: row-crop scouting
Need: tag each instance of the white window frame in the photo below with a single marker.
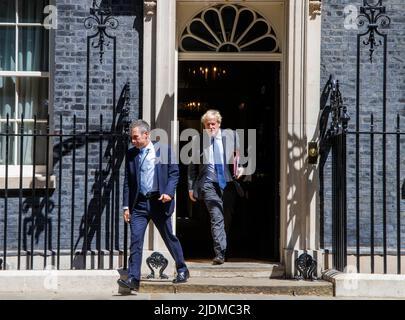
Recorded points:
(234, 40)
(27, 170)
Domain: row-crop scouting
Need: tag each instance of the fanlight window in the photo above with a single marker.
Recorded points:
(229, 28)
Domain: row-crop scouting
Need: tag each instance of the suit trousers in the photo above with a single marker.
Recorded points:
(144, 210)
(213, 199)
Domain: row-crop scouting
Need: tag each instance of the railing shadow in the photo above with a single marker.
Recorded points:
(35, 224)
(108, 179)
(297, 151)
(102, 188)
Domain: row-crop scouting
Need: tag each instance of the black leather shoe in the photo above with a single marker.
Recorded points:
(131, 284)
(219, 259)
(182, 277)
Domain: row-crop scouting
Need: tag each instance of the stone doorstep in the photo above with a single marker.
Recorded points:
(366, 285)
(240, 286)
(82, 281)
(236, 269)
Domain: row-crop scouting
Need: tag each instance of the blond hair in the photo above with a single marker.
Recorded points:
(212, 113)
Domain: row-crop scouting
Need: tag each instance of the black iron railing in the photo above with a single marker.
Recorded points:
(370, 238)
(64, 174)
(83, 171)
(334, 139)
(366, 166)
(372, 18)
(381, 207)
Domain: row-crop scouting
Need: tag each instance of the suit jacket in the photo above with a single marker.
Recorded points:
(167, 176)
(198, 172)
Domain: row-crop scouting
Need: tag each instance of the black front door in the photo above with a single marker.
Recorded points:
(247, 95)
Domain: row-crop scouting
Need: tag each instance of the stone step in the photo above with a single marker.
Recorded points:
(239, 286)
(237, 278)
(236, 269)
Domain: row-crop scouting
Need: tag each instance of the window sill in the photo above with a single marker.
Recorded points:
(28, 182)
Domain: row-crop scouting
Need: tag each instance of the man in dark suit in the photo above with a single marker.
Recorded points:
(209, 179)
(149, 188)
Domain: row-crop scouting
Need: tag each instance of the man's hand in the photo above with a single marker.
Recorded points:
(239, 172)
(127, 216)
(190, 193)
(165, 198)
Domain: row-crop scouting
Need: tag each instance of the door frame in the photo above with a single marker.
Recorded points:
(245, 57)
(299, 223)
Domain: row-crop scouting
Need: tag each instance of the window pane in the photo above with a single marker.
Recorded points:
(7, 10)
(11, 145)
(33, 97)
(33, 49)
(7, 48)
(28, 144)
(7, 97)
(31, 10)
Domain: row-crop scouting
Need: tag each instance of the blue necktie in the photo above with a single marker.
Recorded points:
(219, 166)
(144, 181)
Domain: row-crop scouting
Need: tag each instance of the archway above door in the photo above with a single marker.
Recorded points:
(229, 28)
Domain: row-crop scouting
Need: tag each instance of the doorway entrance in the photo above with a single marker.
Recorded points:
(247, 94)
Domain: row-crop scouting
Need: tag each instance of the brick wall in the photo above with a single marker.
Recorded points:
(338, 57)
(69, 98)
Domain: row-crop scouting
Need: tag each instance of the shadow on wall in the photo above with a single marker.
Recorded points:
(299, 175)
(34, 224)
(105, 183)
(166, 114)
(307, 174)
(113, 153)
(102, 187)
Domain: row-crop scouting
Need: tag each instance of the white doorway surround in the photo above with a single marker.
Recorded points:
(297, 24)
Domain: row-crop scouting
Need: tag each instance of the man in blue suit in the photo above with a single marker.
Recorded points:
(149, 188)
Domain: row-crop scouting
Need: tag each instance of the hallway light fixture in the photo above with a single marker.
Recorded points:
(193, 106)
(207, 72)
